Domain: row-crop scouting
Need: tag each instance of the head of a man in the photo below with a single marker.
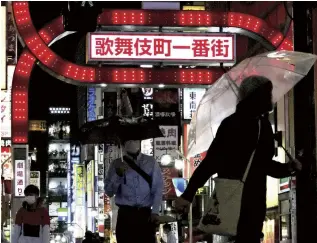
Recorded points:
(256, 92)
(132, 146)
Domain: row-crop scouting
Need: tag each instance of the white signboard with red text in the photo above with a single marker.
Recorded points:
(19, 178)
(168, 47)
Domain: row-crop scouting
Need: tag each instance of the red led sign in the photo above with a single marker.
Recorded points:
(167, 47)
(37, 44)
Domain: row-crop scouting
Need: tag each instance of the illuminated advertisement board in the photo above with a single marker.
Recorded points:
(90, 183)
(80, 212)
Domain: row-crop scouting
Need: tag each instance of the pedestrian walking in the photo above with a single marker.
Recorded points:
(245, 134)
(137, 183)
(32, 220)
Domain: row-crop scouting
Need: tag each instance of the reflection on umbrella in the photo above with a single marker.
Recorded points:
(119, 128)
(284, 68)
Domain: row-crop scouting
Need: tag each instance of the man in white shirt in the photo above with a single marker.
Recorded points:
(170, 237)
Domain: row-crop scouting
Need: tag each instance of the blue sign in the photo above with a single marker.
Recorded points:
(91, 105)
(74, 159)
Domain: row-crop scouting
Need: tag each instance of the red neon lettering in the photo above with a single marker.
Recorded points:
(103, 46)
(143, 47)
(219, 48)
(123, 46)
(162, 46)
(200, 48)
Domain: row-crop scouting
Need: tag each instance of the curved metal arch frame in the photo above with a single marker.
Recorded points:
(28, 59)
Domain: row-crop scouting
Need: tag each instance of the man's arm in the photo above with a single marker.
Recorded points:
(209, 165)
(157, 188)
(279, 170)
(112, 181)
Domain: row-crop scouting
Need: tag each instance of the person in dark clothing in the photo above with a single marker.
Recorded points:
(89, 238)
(230, 151)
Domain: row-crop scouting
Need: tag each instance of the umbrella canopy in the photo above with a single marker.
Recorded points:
(119, 128)
(284, 68)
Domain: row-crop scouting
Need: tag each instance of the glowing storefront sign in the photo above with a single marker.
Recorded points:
(35, 178)
(194, 8)
(19, 178)
(191, 99)
(164, 47)
(91, 104)
(5, 96)
(3, 58)
(90, 183)
(80, 215)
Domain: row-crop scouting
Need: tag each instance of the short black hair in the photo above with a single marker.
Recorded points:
(31, 189)
(167, 227)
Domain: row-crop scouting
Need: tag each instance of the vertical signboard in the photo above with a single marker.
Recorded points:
(3, 61)
(5, 96)
(99, 150)
(167, 144)
(19, 177)
(80, 215)
(147, 145)
(169, 192)
(91, 104)
(90, 183)
(194, 161)
(35, 178)
(74, 158)
(11, 40)
(191, 99)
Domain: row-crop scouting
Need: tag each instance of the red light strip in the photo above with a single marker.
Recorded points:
(96, 75)
(195, 19)
(38, 46)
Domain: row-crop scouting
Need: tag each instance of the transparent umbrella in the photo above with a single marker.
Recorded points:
(284, 68)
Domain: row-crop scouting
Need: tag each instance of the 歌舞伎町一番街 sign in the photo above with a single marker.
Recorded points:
(161, 47)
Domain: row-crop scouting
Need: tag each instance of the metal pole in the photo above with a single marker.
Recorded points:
(190, 214)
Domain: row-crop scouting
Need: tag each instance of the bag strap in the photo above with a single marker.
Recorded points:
(252, 155)
(137, 169)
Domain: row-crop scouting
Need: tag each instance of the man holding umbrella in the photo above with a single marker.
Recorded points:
(137, 182)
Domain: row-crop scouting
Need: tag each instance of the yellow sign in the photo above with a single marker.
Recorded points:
(202, 191)
(79, 217)
(37, 126)
(90, 183)
(199, 8)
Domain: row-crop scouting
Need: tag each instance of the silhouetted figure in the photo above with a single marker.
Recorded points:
(228, 155)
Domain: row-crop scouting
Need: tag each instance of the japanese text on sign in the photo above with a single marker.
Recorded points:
(213, 47)
(191, 99)
(167, 144)
(19, 178)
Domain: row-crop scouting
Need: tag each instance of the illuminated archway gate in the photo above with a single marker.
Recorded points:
(37, 49)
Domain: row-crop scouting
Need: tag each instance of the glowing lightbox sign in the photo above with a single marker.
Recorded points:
(161, 47)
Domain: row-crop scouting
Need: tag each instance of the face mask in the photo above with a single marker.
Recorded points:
(132, 146)
(30, 199)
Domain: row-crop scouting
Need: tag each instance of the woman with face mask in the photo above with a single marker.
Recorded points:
(32, 220)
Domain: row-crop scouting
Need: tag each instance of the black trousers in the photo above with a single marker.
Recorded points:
(134, 226)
